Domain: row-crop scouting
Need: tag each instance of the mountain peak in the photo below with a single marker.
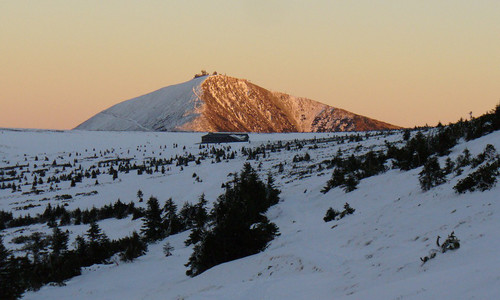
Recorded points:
(223, 103)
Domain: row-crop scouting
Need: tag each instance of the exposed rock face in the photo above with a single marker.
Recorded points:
(226, 104)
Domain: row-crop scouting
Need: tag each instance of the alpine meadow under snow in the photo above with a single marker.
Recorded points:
(387, 247)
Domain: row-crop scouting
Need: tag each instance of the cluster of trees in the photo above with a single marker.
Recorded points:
(49, 176)
(237, 226)
(484, 178)
(295, 145)
(350, 170)
(299, 158)
(422, 150)
(48, 258)
(418, 149)
(59, 215)
(10, 185)
(234, 228)
(162, 222)
(487, 165)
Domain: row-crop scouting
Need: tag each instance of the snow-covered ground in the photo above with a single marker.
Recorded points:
(372, 254)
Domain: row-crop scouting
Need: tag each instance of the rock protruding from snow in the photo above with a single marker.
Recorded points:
(225, 104)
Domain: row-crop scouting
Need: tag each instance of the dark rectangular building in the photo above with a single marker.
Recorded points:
(224, 138)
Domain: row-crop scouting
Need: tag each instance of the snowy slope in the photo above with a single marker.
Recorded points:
(163, 110)
(372, 254)
(223, 103)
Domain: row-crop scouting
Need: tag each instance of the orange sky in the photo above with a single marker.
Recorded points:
(404, 62)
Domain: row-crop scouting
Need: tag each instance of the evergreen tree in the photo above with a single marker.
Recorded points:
(37, 246)
(62, 264)
(95, 234)
(431, 174)
(97, 249)
(338, 179)
(65, 219)
(272, 193)
(52, 221)
(348, 210)
(171, 222)
(152, 223)
(351, 183)
(134, 247)
(331, 214)
(81, 246)
(187, 215)
(464, 159)
(489, 154)
(10, 287)
(449, 166)
(406, 134)
(77, 215)
(59, 241)
(200, 218)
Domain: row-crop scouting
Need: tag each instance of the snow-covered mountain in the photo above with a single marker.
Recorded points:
(226, 104)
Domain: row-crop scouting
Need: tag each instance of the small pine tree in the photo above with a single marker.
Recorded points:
(272, 193)
(200, 219)
(331, 214)
(152, 228)
(338, 179)
(464, 159)
(406, 134)
(59, 241)
(95, 234)
(348, 209)
(431, 174)
(171, 222)
(351, 183)
(307, 157)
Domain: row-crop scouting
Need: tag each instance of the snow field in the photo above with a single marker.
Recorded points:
(372, 254)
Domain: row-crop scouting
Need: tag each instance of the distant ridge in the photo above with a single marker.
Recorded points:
(220, 103)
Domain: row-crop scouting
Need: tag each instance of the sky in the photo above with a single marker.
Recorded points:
(409, 63)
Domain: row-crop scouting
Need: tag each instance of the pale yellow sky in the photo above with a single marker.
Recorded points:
(404, 62)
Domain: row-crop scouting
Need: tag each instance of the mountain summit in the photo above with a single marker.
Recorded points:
(221, 103)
